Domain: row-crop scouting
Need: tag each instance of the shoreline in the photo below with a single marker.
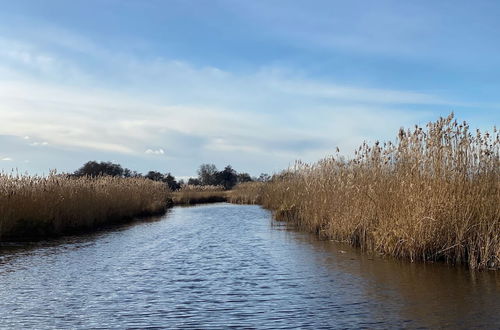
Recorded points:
(35, 231)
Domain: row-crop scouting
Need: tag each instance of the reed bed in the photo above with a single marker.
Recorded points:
(432, 195)
(192, 194)
(247, 193)
(197, 188)
(37, 207)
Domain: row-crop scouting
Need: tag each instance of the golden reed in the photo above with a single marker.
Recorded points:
(36, 207)
(191, 194)
(433, 195)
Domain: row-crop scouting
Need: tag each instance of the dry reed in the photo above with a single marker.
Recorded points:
(36, 207)
(432, 195)
(191, 194)
(247, 193)
(197, 188)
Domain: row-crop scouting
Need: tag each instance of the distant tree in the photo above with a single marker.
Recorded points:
(244, 177)
(264, 177)
(227, 178)
(93, 168)
(135, 174)
(171, 182)
(155, 176)
(168, 178)
(207, 174)
(194, 182)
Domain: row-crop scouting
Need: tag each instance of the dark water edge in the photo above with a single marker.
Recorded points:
(230, 265)
(34, 230)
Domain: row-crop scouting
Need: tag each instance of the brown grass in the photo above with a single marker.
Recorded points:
(432, 195)
(247, 193)
(37, 207)
(190, 194)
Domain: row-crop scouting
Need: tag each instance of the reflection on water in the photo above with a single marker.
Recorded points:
(227, 265)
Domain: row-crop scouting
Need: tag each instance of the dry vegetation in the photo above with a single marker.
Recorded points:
(191, 194)
(247, 193)
(432, 195)
(36, 207)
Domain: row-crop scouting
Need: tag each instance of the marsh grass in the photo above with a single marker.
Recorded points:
(432, 195)
(37, 207)
(191, 194)
(247, 193)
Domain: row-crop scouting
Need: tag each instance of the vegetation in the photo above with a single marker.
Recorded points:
(36, 207)
(166, 178)
(99, 193)
(248, 193)
(432, 195)
(96, 169)
(192, 194)
(208, 175)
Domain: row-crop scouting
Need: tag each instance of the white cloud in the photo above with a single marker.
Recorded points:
(155, 151)
(37, 144)
(367, 95)
(7, 159)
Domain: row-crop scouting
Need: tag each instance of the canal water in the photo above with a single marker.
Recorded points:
(224, 265)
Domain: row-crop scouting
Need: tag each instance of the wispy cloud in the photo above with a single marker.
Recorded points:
(39, 144)
(154, 151)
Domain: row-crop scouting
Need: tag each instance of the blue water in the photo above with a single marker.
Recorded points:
(224, 265)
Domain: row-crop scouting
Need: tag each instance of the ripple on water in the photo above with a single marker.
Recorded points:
(226, 265)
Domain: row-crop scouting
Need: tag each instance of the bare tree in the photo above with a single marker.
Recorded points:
(207, 174)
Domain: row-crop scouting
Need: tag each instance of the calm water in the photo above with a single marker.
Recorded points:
(225, 265)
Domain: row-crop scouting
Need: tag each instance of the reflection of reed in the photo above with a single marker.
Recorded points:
(431, 295)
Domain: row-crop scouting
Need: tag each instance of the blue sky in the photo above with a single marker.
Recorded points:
(168, 85)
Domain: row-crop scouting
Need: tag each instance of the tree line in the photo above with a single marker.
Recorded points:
(208, 174)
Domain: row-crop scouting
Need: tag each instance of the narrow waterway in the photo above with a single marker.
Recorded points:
(228, 265)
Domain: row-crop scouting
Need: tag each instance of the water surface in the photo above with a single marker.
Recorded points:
(225, 265)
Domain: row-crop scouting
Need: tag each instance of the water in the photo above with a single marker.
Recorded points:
(225, 265)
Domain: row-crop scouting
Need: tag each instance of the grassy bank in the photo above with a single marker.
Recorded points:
(432, 195)
(190, 195)
(248, 193)
(36, 207)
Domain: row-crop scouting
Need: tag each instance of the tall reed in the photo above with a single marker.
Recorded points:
(36, 207)
(432, 195)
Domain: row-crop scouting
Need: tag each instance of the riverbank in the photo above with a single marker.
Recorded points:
(36, 208)
(434, 195)
(198, 197)
(33, 208)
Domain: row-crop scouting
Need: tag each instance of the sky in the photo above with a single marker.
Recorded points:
(168, 85)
